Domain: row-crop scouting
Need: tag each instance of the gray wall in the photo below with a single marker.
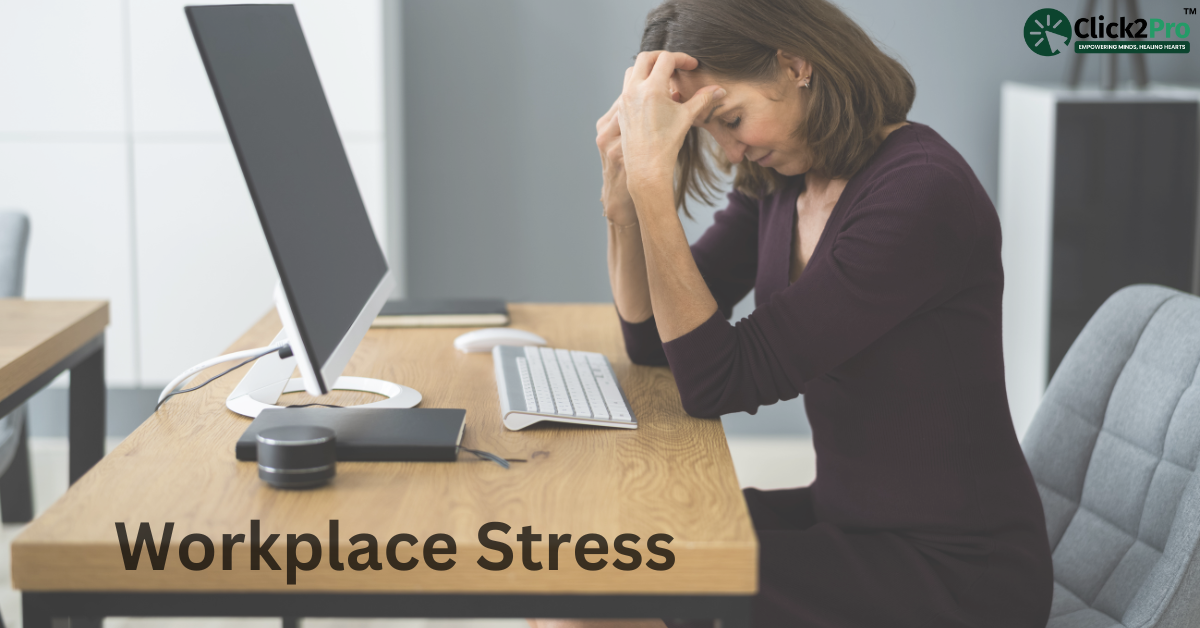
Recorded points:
(501, 99)
(500, 103)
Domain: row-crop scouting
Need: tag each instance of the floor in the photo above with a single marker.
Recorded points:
(764, 462)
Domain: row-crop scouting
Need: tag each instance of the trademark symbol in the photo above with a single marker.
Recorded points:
(1189, 11)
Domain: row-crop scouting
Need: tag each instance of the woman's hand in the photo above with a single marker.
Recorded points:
(618, 205)
(652, 124)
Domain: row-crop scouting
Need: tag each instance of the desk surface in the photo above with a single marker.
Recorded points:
(672, 475)
(36, 335)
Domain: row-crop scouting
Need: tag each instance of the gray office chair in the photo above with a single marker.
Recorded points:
(16, 494)
(1113, 448)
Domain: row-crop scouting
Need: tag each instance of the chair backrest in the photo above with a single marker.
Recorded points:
(14, 238)
(1113, 448)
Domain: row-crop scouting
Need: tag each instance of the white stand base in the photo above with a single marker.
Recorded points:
(271, 376)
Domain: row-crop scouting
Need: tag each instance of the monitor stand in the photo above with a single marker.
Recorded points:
(271, 376)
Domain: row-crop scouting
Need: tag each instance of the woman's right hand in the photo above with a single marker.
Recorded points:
(618, 204)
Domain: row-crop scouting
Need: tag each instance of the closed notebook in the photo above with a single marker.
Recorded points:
(443, 313)
(371, 434)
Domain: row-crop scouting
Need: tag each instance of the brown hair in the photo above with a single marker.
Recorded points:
(855, 88)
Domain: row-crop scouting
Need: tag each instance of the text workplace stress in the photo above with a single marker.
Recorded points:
(365, 554)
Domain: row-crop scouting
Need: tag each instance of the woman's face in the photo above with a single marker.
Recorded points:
(755, 121)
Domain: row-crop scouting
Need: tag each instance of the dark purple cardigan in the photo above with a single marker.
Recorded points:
(891, 333)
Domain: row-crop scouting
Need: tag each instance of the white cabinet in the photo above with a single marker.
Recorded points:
(63, 158)
(1098, 190)
(1025, 195)
(171, 94)
(111, 139)
(62, 69)
(171, 97)
(76, 195)
(204, 271)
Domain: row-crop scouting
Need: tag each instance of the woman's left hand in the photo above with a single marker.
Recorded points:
(653, 125)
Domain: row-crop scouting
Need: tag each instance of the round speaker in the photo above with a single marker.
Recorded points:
(297, 456)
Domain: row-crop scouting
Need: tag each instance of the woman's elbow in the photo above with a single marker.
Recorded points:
(701, 406)
(711, 402)
(646, 356)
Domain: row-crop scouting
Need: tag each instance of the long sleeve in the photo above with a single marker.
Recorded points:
(900, 245)
(893, 334)
(727, 258)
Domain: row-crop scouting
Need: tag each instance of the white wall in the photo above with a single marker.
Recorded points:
(111, 139)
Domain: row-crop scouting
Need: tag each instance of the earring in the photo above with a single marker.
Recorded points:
(806, 82)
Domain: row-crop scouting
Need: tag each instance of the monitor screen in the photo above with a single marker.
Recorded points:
(295, 166)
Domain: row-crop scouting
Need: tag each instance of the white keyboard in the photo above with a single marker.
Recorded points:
(543, 384)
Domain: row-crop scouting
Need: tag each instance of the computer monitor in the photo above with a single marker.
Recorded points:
(333, 277)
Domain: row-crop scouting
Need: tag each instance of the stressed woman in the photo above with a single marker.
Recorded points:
(874, 256)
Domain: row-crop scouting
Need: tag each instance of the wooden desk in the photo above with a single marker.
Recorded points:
(38, 341)
(672, 475)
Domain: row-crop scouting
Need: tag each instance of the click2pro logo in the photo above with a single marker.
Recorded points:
(1048, 32)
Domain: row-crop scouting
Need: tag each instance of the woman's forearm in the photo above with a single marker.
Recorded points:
(680, 298)
(627, 272)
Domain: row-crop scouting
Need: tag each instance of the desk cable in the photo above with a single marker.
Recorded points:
(249, 355)
(487, 455)
(284, 350)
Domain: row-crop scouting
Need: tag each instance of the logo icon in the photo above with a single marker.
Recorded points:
(1047, 32)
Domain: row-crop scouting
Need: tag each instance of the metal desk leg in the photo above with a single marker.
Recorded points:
(16, 485)
(732, 611)
(87, 413)
(34, 614)
(737, 614)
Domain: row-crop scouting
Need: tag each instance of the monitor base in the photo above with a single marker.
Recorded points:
(397, 396)
(271, 376)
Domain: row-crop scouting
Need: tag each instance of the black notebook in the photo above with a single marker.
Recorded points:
(371, 434)
(443, 313)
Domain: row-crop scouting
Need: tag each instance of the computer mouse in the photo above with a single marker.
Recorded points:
(482, 340)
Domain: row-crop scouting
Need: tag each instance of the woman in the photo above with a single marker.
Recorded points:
(874, 254)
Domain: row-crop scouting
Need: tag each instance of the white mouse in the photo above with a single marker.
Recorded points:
(482, 340)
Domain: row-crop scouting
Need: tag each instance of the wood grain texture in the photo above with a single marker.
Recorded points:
(36, 335)
(672, 475)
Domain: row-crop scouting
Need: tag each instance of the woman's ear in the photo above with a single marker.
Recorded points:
(684, 84)
(796, 70)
